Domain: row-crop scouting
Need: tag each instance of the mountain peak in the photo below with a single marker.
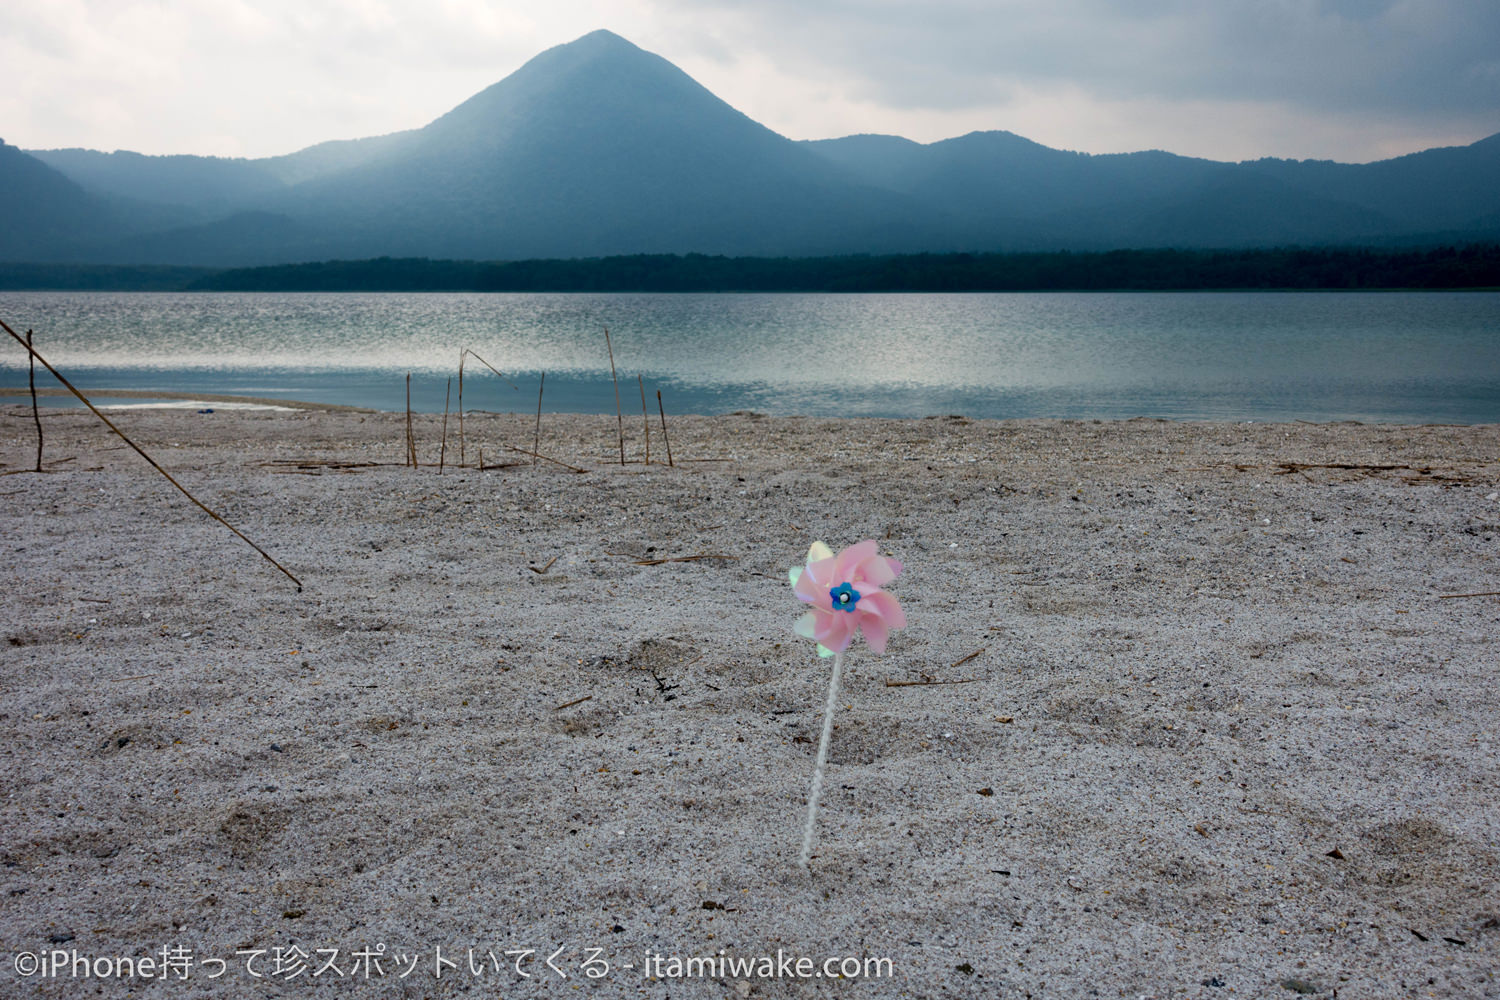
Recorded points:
(597, 47)
(594, 45)
(590, 76)
(601, 37)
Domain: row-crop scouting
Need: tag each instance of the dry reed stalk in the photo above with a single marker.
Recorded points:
(468, 353)
(664, 437)
(645, 420)
(536, 437)
(411, 442)
(523, 451)
(35, 414)
(619, 419)
(443, 451)
(121, 434)
(495, 370)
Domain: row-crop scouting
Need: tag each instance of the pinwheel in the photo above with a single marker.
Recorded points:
(844, 591)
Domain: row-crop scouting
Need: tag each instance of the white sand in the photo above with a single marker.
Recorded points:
(1201, 674)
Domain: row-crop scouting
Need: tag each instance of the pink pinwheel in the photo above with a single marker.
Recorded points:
(844, 591)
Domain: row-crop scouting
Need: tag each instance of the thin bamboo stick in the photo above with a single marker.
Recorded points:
(35, 413)
(664, 437)
(536, 437)
(619, 419)
(645, 420)
(495, 370)
(443, 451)
(523, 451)
(181, 489)
(411, 442)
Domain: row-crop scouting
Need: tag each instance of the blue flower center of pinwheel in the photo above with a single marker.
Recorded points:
(844, 597)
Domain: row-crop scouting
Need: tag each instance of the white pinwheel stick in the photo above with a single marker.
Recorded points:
(817, 781)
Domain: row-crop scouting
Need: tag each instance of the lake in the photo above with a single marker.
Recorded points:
(1411, 357)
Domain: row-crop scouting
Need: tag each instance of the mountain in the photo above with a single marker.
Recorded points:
(1000, 175)
(43, 211)
(597, 148)
(1447, 188)
(1052, 199)
(207, 184)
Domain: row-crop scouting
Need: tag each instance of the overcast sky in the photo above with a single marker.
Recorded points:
(1351, 80)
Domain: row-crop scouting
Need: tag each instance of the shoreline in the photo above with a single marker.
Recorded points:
(206, 397)
(272, 402)
(1191, 703)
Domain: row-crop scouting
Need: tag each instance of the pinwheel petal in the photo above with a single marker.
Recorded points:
(845, 562)
(877, 570)
(807, 589)
(887, 607)
(836, 631)
(821, 572)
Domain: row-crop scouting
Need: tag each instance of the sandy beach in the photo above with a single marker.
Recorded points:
(1181, 710)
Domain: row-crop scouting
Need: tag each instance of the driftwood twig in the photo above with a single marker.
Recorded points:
(927, 682)
(671, 559)
(966, 659)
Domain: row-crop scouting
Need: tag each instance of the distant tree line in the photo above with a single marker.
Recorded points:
(1471, 266)
(1475, 266)
(99, 277)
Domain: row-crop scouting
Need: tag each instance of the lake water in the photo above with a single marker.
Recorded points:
(1381, 356)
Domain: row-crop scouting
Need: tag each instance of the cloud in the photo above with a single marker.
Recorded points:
(1433, 55)
(1421, 68)
(1351, 79)
(239, 77)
